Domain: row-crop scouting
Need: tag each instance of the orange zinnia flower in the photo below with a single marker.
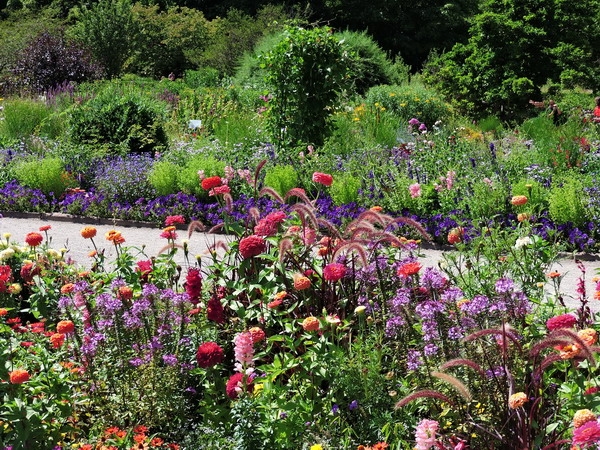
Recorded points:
(583, 416)
(518, 200)
(115, 237)
(88, 232)
(34, 239)
(18, 376)
(517, 400)
(301, 282)
(65, 327)
(311, 324)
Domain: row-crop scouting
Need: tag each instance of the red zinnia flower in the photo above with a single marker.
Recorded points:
(57, 340)
(220, 190)
(562, 321)
(18, 376)
(144, 267)
(5, 277)
(235, 383)
(65, 327)
(125, 293)
(45, 227)
(257, 335)
(174, 220)
(252, 246)
(209, 354)
(322, 178)
(193, 285)
(211, 183)
(334, 271)
(3, 312)
(34, 239)
(408, 269)
(28, 271)
(455, 235)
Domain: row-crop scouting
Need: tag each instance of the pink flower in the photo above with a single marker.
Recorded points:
(322, 178)
(562, 321)
(267, 226)
(586, 434)
(244, 351)
(415, 190)
(334, 272)
(219, 190)
(169, 233)
(174, 220)
(425, 434)
(193, 285)
(235, 385)
(252, 245)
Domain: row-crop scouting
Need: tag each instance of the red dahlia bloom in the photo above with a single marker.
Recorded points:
(34, 239)
(193, 285)
(5, 277)
(211, 183)
(252, 246)
(322, 178)
(562, 321)
(209, 354)
(334, 271)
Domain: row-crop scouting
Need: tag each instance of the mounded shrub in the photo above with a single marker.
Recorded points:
(188, 179)
(46, 174)
(281, 178)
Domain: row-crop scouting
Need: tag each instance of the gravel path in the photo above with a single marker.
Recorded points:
(65, 233)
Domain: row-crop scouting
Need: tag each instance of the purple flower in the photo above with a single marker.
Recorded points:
(394, 326)
(170, 360)
(353, 405)
(476, 306)
(414, 360)
(430, 349)
(504, 286)
(335, 409)
(433, 278)
(414, 121)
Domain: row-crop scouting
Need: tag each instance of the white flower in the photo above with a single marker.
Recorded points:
(6, 254)
(522, 242)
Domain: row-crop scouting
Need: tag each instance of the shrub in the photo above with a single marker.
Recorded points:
(124, 178)
(566, 203)
(163, 177)
(46, 174)
(306, 70)
(345, 188)
(281, 178)
(203, 77)
(122, 120)
(50, 60)
(410, 101)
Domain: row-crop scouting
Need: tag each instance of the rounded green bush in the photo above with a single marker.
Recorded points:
(408, 101)
(281, 178)
(47, 175)
(188, 180)
(163, 177)
(344, 188)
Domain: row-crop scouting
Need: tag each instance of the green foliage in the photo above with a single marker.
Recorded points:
(46, 174)
(410, 101)
(282, 178)
(22, 118)
(566, 201)
(163, 177)
(487, 199)
(182, 33)
(307, 71)
(370, 66)
(188, 179)
(344, 188)
(202, 78)
(120, 119)
(250, 71)
(108, 29)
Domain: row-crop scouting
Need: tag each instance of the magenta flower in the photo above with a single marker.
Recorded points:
(415, 190)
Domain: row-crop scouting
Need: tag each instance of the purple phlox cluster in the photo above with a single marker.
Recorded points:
(170, 360)
(107, 305)
(504, 286)
(452, 295)
(476, 306)
(432, 278)
(414, 360)
(430, 330)
(91, 340)
(394, 326)
(456, 333)
(430, 349)
(428, 309)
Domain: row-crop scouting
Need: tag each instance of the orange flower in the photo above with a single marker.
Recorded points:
(125, 293)
(45, 227)
(311, 324)
(522, 217)
(156, 442)
(588, 335)
(18, 376)
(376, 208)
(553, 275)
(88, 232)
(408, 269)
(67, 288)
(568, 351)
(517, 400)
(455, 235)
(65, 327)
(3, 312)
(139, 438)
(301, 282)
(583, 416)
(518, 200)
(115, 237)
(57, 340)
(211, 183)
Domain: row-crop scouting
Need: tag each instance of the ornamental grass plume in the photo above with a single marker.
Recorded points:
(34, 239)
(252, 245)
(209, 354)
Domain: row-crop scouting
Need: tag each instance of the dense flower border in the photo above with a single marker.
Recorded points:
(14, 197)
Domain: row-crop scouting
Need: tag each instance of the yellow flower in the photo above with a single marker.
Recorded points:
(316, 447)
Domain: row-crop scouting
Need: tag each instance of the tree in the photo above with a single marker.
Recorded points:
(107, 28)
(515, 47)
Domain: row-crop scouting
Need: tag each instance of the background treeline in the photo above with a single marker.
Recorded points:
(486, 57)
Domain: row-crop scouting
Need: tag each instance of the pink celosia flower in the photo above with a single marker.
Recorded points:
(252, 245)
(415, 190)
(267, 226)
(425, 434)
(244, 351)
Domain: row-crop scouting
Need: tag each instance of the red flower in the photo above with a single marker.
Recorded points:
(214, 310)
(18, 376)
(257, 335)
(28, 271)
(5, 277)
(235, 383)
(65, 327)
(125, 293)
(34, 239)
(57, 340)
(219, 190)
(193, 285)
(518, 200)
(169, 233)
(267, 226)
(209, 354)
(455, 235)
(144, 267)
(211, 183)
(334, 271)
(174, 220)
(45, 227)
(252, 245)
(562, 321)
(408, 269)
(322, 178)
